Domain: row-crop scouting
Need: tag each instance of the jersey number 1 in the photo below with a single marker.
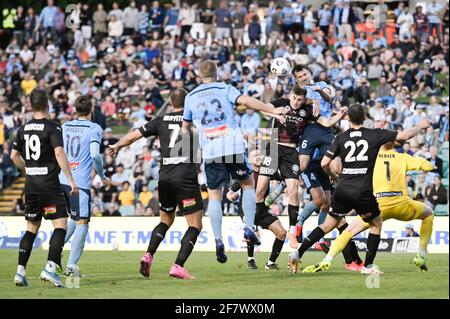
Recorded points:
(33, 146)
(388, 172)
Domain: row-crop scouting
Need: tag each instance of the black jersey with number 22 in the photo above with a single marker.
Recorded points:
(36, 141)
(358, 150)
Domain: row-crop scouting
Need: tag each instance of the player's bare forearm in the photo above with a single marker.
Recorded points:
(326, 165)
(128, 139)
(17, 159)
(411, 132)
(186, 127)
(256, 104)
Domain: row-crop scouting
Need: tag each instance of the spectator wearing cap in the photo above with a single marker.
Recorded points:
(410, 232)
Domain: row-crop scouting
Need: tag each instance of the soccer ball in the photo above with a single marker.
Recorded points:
(280, 67)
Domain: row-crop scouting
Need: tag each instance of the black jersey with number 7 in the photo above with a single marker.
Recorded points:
(36, 142)
(358, 150)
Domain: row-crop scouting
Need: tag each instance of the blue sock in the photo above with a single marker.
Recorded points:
(322, 216)
(215, 215)
(306, 212)
(71, 224)
(77, 245)
(249, 206)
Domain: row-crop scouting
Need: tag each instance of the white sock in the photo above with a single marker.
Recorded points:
(423, 252)
(270, 262)
(51, 266)
(250, 258)
(21, 270)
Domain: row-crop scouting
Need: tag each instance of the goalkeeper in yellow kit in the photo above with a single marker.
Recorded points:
(390, 190)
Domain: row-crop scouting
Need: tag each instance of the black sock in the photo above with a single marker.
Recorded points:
(187, 245)
(350, 251)
(276, 249)
(158, 234)
(372, 247)
(25, 247)
(314, 237)
(250, 251)
(56, 245)
(347, 250)
(293, 214)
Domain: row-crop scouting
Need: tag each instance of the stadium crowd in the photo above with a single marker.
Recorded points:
(129, 58)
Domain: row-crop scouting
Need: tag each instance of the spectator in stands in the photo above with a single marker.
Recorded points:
(410, 232)
(436, 161)
(437, 193)
(111, 211)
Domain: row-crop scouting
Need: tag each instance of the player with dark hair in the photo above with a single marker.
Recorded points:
(392, 197)
(38, 151)
(358, 148)
(178, 183)
(288, 130)
(82, 140)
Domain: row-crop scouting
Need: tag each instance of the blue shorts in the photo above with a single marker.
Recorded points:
(315, 136)
(218, 170)
(80, 204)
(316, 178)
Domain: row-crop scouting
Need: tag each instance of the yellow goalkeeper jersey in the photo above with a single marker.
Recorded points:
(390, 172)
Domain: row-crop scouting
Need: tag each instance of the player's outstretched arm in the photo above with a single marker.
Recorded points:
(186, 127)
(330, 122)
(61, 158)
(410, 133)
(257, 105)
(326, 165)
(17, 159)
(126, 140)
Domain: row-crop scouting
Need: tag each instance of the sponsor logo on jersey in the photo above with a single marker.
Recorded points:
(241, 172)
(219, 131)
(302, 113)
(296, 168)
(74, 165)
(354, 171)
(49, 210)
(188, 202)
(388, 194)
(34, 127)
(266, 171)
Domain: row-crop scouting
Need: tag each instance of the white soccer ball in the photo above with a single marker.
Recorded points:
(280, 67)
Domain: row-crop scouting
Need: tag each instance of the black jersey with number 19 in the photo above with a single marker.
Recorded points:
(358, 149)
(36, 141)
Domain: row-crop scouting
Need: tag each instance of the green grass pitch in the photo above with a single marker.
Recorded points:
(114, 274)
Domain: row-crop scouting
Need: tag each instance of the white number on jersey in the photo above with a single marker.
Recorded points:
(173, 137)
(361, 157)
(33, 144)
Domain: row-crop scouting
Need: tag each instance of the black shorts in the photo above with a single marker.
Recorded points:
(184, 193)
(51, 206)
(286, 163)
(218, 170)
(264, 219)
(316, 178)
(349, 197)
(315, 136)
